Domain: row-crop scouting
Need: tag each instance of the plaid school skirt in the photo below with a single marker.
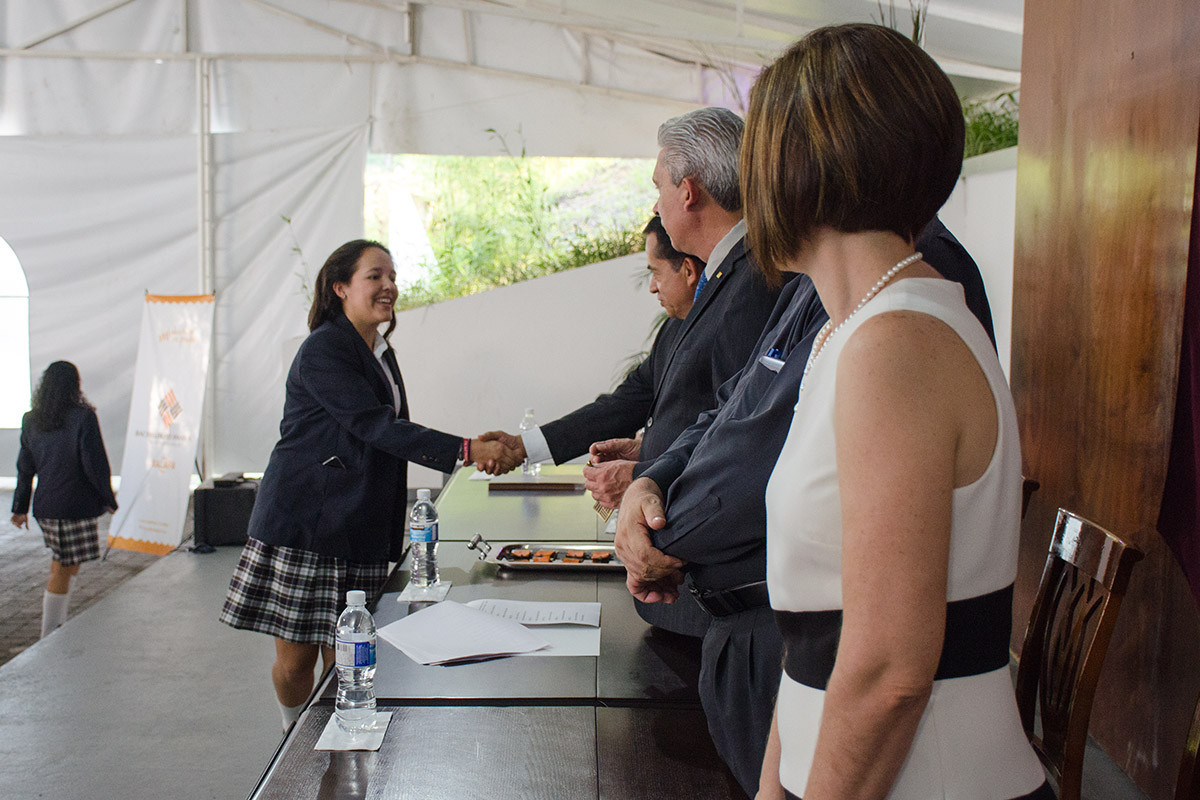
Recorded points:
(73, 541)
(292, 594)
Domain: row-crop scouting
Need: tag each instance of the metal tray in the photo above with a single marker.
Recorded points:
(499, 556)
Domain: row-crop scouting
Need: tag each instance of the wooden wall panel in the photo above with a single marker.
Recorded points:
(1110, 112)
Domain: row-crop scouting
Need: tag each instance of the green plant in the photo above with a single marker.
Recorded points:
(497, 221)
(918, 11)
(991, 124)
(305, 288)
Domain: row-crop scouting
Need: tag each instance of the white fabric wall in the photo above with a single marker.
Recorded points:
(99, 158)
(95, 224)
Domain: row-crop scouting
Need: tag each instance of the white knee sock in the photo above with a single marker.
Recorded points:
(54, 610)
(290, 714)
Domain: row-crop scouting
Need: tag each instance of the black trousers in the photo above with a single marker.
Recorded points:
(684, 616)
(740, 665)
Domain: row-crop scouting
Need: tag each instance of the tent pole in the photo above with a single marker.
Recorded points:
(208, 278)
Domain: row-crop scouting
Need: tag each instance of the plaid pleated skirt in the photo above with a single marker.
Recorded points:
(292, 594)
(73, 541)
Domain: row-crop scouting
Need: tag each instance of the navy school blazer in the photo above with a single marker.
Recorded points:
(74, 481)
(337, 481)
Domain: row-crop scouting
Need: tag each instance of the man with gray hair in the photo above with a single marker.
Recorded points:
(700, 205)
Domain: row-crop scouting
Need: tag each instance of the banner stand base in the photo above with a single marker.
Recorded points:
(140, 546)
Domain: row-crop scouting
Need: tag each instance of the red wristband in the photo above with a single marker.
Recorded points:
(466, 454)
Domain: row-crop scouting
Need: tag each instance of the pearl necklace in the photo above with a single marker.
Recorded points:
(825, 333)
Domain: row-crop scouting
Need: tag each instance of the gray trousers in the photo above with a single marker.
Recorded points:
(741, 663)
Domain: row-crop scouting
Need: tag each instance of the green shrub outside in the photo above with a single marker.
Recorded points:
(990, 124)
(498, 221)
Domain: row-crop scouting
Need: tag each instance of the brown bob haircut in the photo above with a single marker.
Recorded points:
(854, 128)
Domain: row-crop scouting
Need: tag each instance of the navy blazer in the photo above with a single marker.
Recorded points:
(74, 481)
(714, 476)
(690, 359)
(337, 481)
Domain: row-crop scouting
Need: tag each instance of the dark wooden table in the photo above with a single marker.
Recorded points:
(626, 724)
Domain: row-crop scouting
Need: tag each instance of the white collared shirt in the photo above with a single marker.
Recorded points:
(736, 233)
(381, 347)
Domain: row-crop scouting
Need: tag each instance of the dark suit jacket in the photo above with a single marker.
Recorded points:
(337, 481)
(678, 380)
(715, 474)
(74, 481)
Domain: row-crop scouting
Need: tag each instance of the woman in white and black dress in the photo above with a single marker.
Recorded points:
(62, 446)
(893, 510)
(330, 511)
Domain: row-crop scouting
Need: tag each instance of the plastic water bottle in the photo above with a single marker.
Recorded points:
(528, 424)
(355, 659)
(423, 536)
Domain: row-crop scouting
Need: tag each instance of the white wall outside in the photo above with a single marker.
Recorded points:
(554, 343)
(982, 214)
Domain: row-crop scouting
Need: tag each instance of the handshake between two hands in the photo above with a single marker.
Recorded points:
(497, 452)
(607, 475)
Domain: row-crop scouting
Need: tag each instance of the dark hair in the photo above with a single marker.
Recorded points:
(57, 393)
(703, 145)
(662, 245)
(339, 268)
(854, 128)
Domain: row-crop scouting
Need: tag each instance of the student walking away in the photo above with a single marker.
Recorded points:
(62, 446)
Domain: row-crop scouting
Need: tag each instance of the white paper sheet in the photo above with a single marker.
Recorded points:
(334, 738)
(424, 594)
(449, 632)
(541, 613)
(568, 640)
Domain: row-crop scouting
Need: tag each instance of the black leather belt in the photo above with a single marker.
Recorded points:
(723, 602)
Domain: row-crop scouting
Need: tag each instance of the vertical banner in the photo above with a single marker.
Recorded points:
(164, 423)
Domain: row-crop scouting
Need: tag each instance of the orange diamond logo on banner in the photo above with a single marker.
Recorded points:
(169, 408)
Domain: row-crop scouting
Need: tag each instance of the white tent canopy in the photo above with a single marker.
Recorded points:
(188, 146)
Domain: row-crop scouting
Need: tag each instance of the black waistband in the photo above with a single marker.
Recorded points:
(723, 602)
(976, 639)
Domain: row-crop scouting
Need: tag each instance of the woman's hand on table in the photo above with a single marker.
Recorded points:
(653, 576)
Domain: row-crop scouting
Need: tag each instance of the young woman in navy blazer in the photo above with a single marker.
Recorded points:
(330, 511)
(61, 444)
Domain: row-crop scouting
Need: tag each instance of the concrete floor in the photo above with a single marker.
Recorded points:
(24, 568)
(144, 694)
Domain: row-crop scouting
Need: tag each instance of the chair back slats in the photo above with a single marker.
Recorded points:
(1074, 612)
(1098, 557)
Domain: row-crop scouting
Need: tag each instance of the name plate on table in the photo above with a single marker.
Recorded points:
(520, 482)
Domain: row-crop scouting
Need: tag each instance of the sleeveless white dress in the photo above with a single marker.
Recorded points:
(969, 744)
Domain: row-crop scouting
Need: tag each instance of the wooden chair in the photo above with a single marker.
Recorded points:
(1187, 785)
(1072, 621)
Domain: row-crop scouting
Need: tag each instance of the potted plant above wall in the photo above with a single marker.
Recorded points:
(991, 124)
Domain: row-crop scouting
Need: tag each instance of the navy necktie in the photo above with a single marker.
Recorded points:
(700, 286)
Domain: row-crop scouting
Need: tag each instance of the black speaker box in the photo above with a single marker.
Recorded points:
(222, 510)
